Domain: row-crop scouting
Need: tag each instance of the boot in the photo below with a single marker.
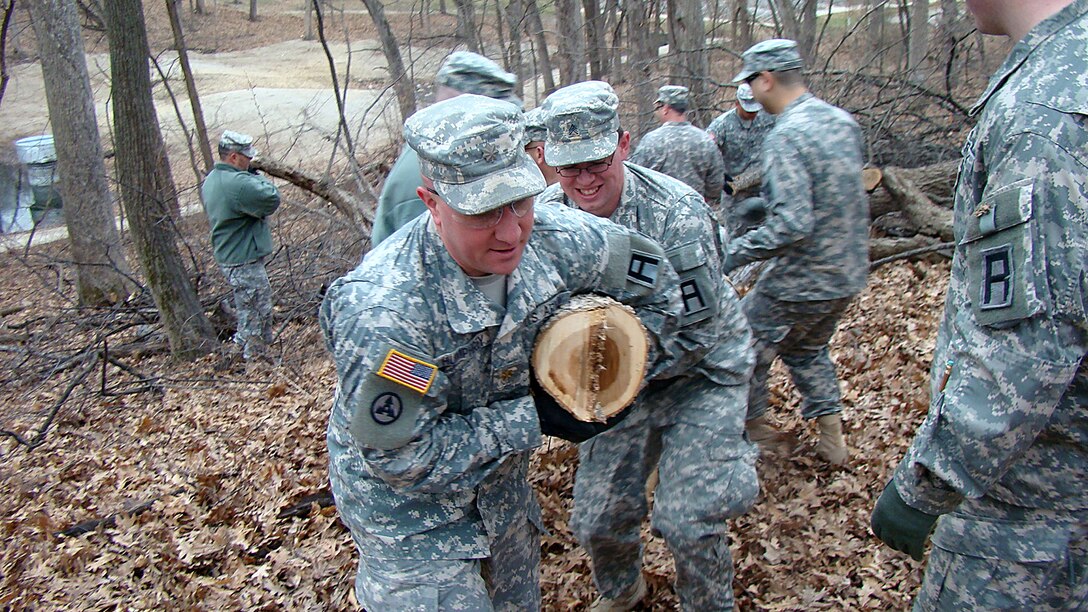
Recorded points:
(626, 601)
(831, 447)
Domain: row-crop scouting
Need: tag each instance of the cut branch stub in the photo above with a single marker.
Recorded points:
(591, 357)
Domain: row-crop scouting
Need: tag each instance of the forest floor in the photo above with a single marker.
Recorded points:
(195, 463)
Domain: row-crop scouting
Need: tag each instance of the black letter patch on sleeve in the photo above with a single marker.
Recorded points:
(691, 295)
(643, 269)
(997, 280)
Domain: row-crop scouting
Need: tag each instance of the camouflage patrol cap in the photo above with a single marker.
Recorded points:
(747, 99)
(471, 147)
(236, 141)
(535, 130)
(582, 123)
(472, 73)
(772, 55)
(673, 95)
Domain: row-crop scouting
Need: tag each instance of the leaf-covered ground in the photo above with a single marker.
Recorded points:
(214, 457)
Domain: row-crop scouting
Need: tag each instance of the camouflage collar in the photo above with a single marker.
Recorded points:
(1037, 37)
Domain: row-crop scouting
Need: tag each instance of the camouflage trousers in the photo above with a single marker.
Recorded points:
(692, 431)
(799, 333)
(508, 581)
(991, 556)
(252, 306)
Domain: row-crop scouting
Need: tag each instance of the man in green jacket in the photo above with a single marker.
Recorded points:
(238, 203)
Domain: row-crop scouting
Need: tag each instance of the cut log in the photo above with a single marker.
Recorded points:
(922, 212)
(870, 178)
(591, 357)
(937, 181)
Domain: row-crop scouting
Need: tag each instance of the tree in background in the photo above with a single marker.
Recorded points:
(101, 269)
(147, 188)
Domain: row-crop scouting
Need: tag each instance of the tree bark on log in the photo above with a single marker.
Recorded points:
(937, 181)
(927, 216)
(343, 200)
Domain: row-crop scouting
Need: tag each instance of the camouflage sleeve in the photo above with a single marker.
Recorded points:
(787, 185)
(648, 153)
(401, 424)
(1014, 330)
(715, 177)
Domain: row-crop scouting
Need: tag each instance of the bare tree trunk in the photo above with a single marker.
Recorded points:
(102, 271)
(687, 54)
(199, 8)
(742, 24)
(466, 25)
(309, 35)
(402, 84)
(5, 24)
(918, 42)
(514, 16)
(640, 32)
(146, 190)
(878, 18)
(253, 10)
(595, 38)
(540, 42)
(786, 16)
(190, 86)
(572, 46)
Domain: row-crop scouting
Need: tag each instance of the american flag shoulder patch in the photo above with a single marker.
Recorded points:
(408, 371)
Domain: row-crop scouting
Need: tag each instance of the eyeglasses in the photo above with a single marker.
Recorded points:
(491, 218)
(596, 167)
(659, 105)
(752, 77)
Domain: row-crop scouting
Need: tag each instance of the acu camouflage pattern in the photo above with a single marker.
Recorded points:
(471, 148)
(673, 95)
(472, 73)
(739, 141)
(684, 152)
(449, 480)
(535, 129)
(1004, 447)
(775, 55)
(689, 422)
(252, 306)
(817, 225)
(582, 123)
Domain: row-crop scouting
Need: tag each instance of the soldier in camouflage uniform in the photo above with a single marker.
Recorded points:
(535, 135)
(462, 72)
(816, 232)
(739, 134)
(1002, 455)
(238, 203)
(689, 422)
(679, 149)
(432, 424)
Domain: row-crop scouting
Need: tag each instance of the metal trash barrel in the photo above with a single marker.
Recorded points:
(39, 156)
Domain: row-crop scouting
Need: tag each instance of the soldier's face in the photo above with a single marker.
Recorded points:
(481, 250)
(599, 194)
(989, 15)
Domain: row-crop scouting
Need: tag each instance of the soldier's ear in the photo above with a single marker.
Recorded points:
(623, 147)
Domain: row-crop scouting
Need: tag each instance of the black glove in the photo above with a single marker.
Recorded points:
(727, 185)
(253, 170)
(555, 421)
(898, 525)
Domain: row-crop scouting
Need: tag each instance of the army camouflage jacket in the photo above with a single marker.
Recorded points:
(715, 335)
(684, 152)
(238, 205)
(817, 225)
(432, 423)
(739, 141)
(1011, 422)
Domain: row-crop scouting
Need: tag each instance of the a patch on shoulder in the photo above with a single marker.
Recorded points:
(408, 371)
(642, 268)
(386, 408)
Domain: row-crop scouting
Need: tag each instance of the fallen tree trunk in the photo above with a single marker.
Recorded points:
(923, 213)
(343, 200)
(937, 182)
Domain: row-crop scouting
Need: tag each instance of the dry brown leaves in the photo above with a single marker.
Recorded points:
(220, 455)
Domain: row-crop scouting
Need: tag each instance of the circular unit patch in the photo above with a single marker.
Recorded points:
(386, 408)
